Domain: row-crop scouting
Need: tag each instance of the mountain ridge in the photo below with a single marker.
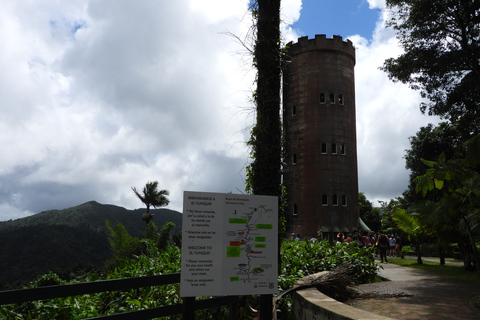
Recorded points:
(67, 238)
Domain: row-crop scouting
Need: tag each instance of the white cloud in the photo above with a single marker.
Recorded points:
(100, 96)
(290, 13)
(376, 4)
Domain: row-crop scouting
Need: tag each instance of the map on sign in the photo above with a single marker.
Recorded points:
(247, 242)
(229, 244)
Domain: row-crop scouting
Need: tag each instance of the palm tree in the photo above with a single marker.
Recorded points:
(413, 228)
(152, 197)
(440, 222)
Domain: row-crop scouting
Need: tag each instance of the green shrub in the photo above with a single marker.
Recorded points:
(407, 250)
(302, 258)
(299, 259)
(431, 250)
(123, 245)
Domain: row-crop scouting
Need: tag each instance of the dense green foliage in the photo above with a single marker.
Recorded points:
(413, 227)
(301, 258)
(387, 209)
(125, 247)
(368, 213)
(449, 211)
(441, 43)
(69, 241)
(93, 305)
(431, 250)
(457, 211)
(429, 143)
(298, 260)
(441, 50)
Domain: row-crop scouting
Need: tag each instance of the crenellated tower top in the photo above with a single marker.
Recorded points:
(321, 42)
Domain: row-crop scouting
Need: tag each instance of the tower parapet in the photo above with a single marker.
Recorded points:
(322, 43)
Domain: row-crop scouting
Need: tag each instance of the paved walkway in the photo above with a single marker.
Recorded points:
(428, 296)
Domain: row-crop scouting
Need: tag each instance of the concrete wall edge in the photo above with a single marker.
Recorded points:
(311, 304)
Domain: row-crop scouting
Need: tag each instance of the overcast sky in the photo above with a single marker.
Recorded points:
(97, 97)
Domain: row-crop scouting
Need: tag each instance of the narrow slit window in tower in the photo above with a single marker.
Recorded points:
(294, 110)
(344, 200)
(295, 210)
(324, 200)
(322, 98)
(334, 148)
(335, 200)
(340, 99)
(332, 98)
(294, 158)
(324, 148)
(342, 149)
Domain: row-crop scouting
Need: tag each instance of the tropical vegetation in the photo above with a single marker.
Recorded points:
(149, 255)
(440, 59)
(441, 43)
(70, 241)
(368, 213)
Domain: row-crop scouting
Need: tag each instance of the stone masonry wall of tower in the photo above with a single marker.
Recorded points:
(320, 172)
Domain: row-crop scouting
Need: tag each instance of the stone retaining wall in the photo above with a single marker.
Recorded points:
(311, 304)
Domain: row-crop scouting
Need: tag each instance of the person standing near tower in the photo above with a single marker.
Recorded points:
(382, 245)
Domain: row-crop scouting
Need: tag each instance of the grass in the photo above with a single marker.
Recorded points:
(450, 270)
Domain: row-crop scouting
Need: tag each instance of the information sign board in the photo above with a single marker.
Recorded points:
(229, 244)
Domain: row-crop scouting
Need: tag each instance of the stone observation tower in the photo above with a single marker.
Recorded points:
(320, 172)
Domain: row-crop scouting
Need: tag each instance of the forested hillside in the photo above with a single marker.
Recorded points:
(70, 238)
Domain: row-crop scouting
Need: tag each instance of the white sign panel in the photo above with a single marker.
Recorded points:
(229, 244)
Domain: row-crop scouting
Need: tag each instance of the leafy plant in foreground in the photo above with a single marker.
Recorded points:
(302, 258)
(299, 259)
